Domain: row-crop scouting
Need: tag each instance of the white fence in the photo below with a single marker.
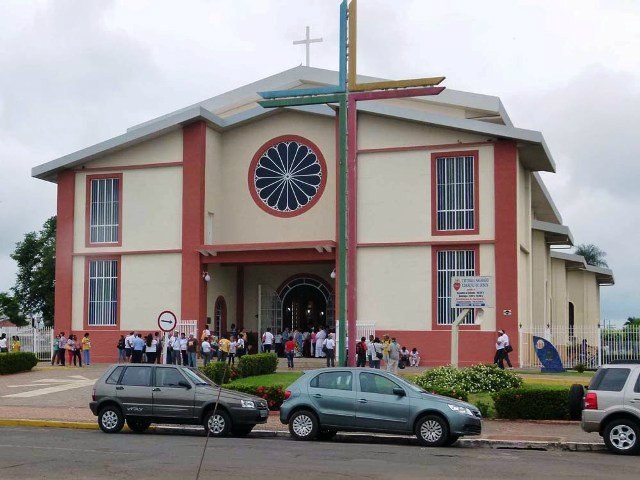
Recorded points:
(35, 340)
(187, 327)
(363, 329)
(589, 346)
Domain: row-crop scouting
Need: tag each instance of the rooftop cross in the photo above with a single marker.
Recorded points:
(307, 43)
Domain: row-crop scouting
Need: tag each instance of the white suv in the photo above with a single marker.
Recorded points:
(612, 407)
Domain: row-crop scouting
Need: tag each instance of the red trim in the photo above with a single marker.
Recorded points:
(85, 316)
(64, 251)
(243, 247)
(87, 211)
(476, 187)
(304, 275)
(434, 282)
(128, 252)
(394, 93)
(223, 321)
(427, 243)
(424, 147)
(128, 167)
(240, 297)
(352, 226)
(254, 162)
(271, 256)
(194, 288)
(506, 226)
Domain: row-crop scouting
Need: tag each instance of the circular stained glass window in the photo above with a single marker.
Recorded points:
(287, 176)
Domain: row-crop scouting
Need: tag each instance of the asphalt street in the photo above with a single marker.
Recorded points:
(49, 453)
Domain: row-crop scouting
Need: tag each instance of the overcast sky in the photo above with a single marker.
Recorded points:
(73, 73)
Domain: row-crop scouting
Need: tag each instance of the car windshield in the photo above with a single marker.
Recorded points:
(409, 384)
(197, 377)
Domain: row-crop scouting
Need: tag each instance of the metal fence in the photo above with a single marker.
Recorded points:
(363, 329)
(187, 327)
(34, 340)
(586, 345)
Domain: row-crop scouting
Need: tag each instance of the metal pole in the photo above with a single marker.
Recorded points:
(454, 336)
(342, 247)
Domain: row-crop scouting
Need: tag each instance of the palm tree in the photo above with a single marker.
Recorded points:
(592, 254)
(632, 322)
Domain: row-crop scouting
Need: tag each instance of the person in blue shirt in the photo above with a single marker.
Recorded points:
(138, 346)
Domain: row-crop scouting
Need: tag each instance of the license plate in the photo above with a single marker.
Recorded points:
(264, 413)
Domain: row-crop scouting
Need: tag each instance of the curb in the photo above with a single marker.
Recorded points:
(341, 437)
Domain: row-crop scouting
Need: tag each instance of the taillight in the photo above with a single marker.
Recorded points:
(93, 394)
(287, 394)
(591, 401)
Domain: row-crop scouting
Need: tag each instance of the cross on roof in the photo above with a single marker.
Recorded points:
(307, 43)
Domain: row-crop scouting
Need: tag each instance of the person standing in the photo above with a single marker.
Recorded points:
(3, 343)
(329, 348)
(184, 356)
(267, 341)
(138, 346)
(62, 345)
(205, 350)
(312, 352)
(385, 351)
(223, 349)
(121, 355)
(361, 353)
(70, 348)
(159, 345)
(278, 344)
(128, 345)
(507, 348)
(371, 351)
(233, 345)
(192, 351)
(151, 347)
(54, 355)
(176, 358)
(394, 356)
(15, 345)
(320, 338)
(289, 352)
(86, 349)
(499, 357)
(240, 347)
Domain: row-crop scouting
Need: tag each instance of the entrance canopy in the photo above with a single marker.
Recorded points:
(261, 253)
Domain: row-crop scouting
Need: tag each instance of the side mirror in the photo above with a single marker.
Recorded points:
(399, 391)
(184, 384)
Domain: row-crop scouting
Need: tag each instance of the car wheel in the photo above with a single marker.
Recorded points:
(137, 425)
(621, 436)
(110, 419)
(242, 430)
(432, 431)
(303, 425)
(326, 434)
(576, 394)
(217, 425)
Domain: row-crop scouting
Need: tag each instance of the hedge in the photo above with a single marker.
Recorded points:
(478, 378)
(274, 395)
(532, 403)
(17, 362)
(219, 372)
(248, 366)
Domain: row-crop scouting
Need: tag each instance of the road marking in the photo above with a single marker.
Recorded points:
(69, 449)
(54, 389)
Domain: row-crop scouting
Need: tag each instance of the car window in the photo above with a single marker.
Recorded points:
(610, 379)
(136, 377)
(333, 381)
(637, 387)
(168, 377)
(372, 383)
(115, 375)
(195, 377)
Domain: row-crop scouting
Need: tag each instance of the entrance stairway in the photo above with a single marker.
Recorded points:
(301, 364)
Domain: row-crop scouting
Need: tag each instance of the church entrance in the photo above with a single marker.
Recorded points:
(307, 302)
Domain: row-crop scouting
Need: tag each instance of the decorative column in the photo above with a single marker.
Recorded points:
(64, 251)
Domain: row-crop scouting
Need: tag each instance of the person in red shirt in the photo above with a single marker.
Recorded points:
(289, 351)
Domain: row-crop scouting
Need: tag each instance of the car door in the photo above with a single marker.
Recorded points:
(134, 390)
(333, 394)
(632, 394)
(378, 407)
(171, 397)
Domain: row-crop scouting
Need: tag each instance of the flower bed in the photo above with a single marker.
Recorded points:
(478, 378)
(274, 394)
(248, 366)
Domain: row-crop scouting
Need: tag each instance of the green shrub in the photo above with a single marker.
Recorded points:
(219, 372)
(17, 362)
(260, 364)
(485, 409)
(533, 403)
(274, 395)
(478, 378)
(581, 367)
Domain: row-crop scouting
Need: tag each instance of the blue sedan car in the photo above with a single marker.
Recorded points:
(325, 401)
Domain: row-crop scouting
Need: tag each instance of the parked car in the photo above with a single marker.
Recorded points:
(325, 401)
(611, 406)
(145, 394)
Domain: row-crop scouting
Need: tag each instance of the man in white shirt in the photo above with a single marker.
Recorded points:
(507, 347)
(320, 342)
(500, 344)
(267, 341)
(330, 346)
(183, 349)
(128, 345)
(205, 350)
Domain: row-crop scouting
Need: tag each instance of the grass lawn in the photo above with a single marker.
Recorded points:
(564, 374)
(285, 379)
(558, 382)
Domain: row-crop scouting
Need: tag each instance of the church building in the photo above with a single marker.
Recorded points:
(226, 213)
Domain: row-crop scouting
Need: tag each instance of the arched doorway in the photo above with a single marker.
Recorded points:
(307, 302)
(220, 317)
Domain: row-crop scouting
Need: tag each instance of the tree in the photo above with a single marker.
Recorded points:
(10, 308)
(592, 255)
(35, 282)
(632, 322)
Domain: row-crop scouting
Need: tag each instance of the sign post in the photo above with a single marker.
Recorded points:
(167, 321)
(469, 293)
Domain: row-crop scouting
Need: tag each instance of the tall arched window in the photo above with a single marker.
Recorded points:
(571, 320)
(220, 317)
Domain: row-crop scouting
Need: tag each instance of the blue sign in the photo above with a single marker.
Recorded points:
(548, 355)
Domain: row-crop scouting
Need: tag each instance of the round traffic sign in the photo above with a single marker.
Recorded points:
(167, 321)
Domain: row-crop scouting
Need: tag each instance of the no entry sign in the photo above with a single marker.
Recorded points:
(472, 292)
(167, 321)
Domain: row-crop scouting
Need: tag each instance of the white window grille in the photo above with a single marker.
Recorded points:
(455, 193)
(452, 263)
(105, 210)
(218, 318)
(103, 292)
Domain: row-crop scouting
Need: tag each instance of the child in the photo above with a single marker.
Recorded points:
(414, 357)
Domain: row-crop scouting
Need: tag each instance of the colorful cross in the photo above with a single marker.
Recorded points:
(346, 94)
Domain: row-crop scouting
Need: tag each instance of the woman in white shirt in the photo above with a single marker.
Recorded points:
(378, 349)
(151, 349)
(329, 348)
(3, 343)
(233, 348)
(205, 350)
(240, 347)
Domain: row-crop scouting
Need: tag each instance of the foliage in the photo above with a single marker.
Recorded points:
(10, 308)
(478, 378)
(485, 409)
(449, 392)
(17, 362)
(592, 255)
(219, 372)
(533, 403)
(283, 378)
(274, 395)
(259, 364)
(581, 367)
(36, 258)
(632, 322)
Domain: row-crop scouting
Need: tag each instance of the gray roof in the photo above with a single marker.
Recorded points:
(543, 205)
(554, 234)
(532, 148)
(604, 276)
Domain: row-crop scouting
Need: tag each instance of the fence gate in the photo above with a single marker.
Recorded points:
(34, 340)
(269, 311)
(187, 327)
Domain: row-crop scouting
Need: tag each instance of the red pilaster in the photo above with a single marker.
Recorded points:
(64, 251)
(194, 288)
(352, 228)
(506, 246)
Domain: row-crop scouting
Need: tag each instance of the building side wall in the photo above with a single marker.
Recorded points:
(525, 266)
(222, 284)
(559, 303)
(539, 279)
(214, 182)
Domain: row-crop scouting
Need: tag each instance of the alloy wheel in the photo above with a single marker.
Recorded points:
(623, 437)
(216, 424)
(302, 425)
(109, 420)
(431, 431)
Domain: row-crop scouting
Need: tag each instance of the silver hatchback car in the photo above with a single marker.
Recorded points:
(142, 394)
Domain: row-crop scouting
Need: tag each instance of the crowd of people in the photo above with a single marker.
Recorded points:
(13, 346)
(76, 351)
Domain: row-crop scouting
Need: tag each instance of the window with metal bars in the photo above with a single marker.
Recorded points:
(455, 193)
(103, 292)
(452, 263)
(105, 210)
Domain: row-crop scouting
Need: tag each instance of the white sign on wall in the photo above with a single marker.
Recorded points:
(472, 292)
